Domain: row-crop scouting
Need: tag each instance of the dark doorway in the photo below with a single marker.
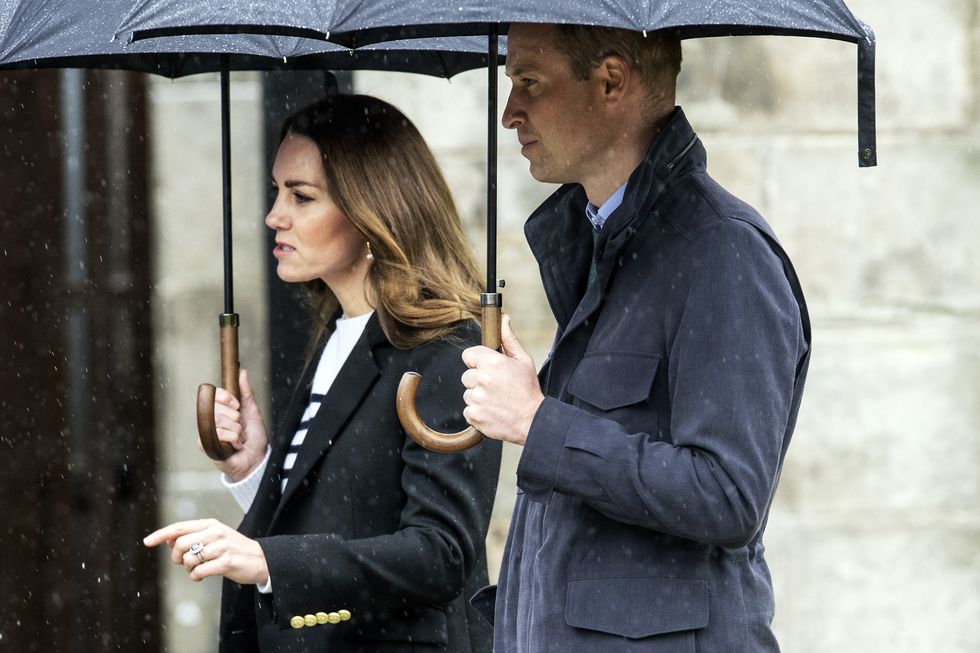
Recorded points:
(76, 419)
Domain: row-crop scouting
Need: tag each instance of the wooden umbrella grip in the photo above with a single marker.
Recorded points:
(214, 447)
(408, 387)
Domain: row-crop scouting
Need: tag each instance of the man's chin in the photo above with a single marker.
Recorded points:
(542, 174)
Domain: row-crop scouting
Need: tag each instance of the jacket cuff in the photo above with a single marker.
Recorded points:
(537, 470)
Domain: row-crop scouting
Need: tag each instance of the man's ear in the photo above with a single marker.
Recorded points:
(615, 76)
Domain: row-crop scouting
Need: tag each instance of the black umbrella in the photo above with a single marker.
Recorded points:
(48, 34)
(359, 24)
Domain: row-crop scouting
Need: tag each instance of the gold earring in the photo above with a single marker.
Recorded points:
(370, 254)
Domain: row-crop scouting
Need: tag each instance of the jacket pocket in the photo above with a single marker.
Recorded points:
(614, 379)
(637, 607)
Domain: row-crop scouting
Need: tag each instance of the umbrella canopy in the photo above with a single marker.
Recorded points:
(54, 34)
(356, 23)
(362, 23)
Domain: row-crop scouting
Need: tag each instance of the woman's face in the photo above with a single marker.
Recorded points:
(314, 239)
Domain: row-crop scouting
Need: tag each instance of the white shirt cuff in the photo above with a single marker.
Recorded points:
(245, 490)
(266, 587)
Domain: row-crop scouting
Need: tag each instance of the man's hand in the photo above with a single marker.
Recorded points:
(502, 391)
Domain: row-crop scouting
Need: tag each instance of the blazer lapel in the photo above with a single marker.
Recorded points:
(266, 500)
(358, 374)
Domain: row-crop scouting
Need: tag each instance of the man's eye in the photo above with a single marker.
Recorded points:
(527, 82)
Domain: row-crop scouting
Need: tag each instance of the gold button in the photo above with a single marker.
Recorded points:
(322, 618)
(334, 617)
(344, 615)
(309, 620)
(297, 622)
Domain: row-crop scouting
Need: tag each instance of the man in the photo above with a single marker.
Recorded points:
(654, 434)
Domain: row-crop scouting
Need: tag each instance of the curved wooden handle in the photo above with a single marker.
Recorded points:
(213, 447)
(405, 399)
(422, 434)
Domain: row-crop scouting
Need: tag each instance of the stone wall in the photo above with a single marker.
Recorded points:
(874, 538)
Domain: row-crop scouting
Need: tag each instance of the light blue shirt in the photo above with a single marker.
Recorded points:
(598, 216)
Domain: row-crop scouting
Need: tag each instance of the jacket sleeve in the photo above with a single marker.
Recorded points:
(443, 524)
(734, 340)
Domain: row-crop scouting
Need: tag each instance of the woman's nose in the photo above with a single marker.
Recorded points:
(276, 218)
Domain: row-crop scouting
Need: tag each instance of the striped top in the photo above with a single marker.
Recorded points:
(346, 334)
(335, 353)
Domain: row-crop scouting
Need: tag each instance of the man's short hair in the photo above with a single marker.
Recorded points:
(655, 55)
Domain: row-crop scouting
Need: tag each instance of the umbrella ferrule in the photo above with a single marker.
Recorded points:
(491, 299)
(228, 319)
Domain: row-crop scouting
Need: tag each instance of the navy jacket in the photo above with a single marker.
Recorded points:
(672, 391)
(382, 537)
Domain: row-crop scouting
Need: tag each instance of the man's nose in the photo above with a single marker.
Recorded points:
(513, 116)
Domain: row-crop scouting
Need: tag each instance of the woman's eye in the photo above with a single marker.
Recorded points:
(301, 198)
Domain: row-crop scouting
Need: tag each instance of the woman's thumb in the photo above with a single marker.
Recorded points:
(244, 385)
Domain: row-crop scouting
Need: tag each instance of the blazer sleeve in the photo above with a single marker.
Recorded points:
(734, 341)
(443, 523)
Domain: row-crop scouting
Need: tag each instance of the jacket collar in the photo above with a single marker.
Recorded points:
(355, 379)
(559, 234)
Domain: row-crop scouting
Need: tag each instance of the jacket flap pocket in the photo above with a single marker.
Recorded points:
(613, 379)
(637, 607)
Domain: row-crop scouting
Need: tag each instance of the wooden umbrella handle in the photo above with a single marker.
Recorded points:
(213, 447)
(405, 399)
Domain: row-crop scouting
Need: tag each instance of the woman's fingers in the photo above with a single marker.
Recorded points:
(225, 398)
(206, 547)
(171, 532)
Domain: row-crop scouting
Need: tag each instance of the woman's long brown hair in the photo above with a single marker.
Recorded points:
(383, 177)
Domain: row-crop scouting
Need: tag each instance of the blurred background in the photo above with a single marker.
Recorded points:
(108, 323)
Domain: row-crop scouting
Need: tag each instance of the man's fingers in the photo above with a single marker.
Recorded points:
(476, 356)
(511, 344)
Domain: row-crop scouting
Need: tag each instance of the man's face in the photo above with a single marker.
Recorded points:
(556, 116)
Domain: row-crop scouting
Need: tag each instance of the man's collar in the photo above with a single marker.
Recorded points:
(597, 215)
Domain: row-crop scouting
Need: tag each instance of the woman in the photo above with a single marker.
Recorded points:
(355, 538)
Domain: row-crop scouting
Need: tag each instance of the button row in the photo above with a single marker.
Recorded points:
(319, 619)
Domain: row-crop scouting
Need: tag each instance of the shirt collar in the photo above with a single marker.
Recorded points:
(598, 215)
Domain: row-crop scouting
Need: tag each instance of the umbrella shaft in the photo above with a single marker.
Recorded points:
(226, 187)
(492, 162)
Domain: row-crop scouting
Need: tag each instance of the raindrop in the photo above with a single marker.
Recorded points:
(188, 613)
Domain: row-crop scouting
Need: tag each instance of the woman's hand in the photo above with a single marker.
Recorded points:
(240, 424)
(218, 550)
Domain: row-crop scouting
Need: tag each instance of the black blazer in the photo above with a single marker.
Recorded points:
(375, 541)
